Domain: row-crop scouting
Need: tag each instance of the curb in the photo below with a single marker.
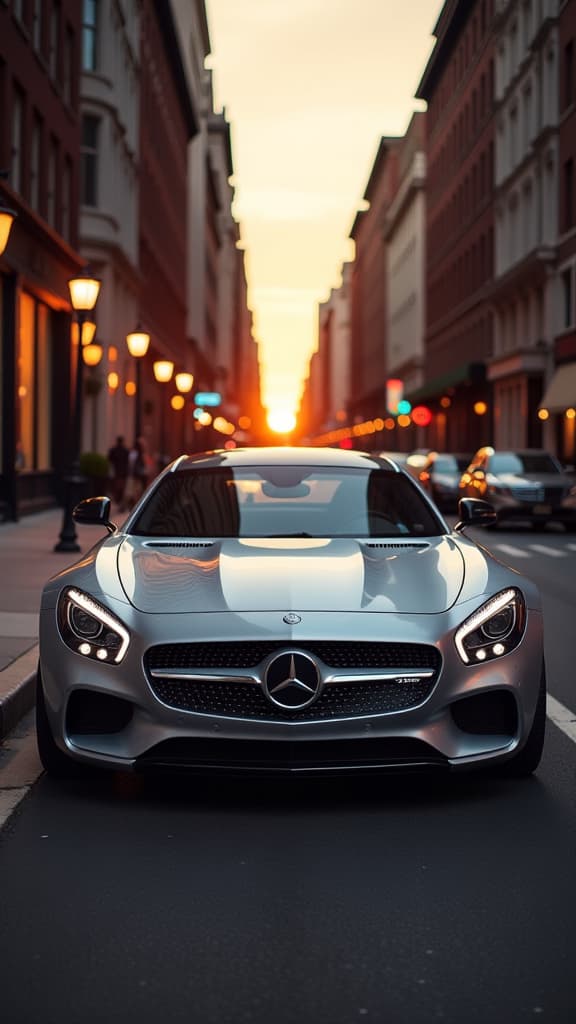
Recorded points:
(17, 690)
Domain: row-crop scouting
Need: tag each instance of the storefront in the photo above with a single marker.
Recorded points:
(35, 354)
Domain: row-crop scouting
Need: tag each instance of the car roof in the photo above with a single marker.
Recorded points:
(337, 458)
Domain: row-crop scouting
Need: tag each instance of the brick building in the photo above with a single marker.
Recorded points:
(39, 158)
(458, 85)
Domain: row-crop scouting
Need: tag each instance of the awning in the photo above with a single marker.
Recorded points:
(465, 373)
(561, 391)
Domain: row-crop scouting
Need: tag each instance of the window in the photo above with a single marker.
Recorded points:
(52, 180)
(68, 65)
(569, 74)
(89, 159)
(17, 139)
(37, 24)
(55, 40)
(568, 195)
(67, 200)
(90, 35)
(33, 385)
(35, 145)
(567, 299)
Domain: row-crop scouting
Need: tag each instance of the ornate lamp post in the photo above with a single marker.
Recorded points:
(138, 341)
(84, 291)
(163, 370)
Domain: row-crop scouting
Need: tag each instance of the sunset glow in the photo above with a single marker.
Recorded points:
(281, 421)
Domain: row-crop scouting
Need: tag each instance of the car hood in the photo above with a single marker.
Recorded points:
(531, 479)
(288, 573)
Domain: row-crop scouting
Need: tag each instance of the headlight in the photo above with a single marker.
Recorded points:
(494, 630)
(88, 628)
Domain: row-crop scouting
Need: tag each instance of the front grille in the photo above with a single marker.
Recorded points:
(247, 700)
(286, 755)
(237, 699)
(531, 493)
(336, 654)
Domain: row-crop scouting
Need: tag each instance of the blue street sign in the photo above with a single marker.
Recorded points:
(208, 398)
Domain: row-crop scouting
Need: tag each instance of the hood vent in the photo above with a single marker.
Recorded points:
(179, 544)
(400, 546)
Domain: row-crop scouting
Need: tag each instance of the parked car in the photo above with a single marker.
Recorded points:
(279, 610)
(412, 462)
(526, 485)
(440, 477)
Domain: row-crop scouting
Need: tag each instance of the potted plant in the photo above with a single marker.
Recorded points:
(94, 466)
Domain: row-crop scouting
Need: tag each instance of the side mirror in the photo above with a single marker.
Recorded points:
(94, 512)
(475, 512)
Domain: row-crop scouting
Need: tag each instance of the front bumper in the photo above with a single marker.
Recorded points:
(149, 734)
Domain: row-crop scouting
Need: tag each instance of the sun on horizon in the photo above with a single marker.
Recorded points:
(281, 421)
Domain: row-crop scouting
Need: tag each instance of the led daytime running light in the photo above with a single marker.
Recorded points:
(102, 615)
(485, 612)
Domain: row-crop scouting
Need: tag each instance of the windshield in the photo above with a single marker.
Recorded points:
(286, 501)
(511, 462)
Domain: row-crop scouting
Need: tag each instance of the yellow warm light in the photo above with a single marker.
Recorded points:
(138, 342)
(184, 382)
(404, 421)
(570, 414)
(92, 354)
(163, 370)
(281, 421)
(480, 408)
(177, 401)
(6, 219)
(84, 291)
(88, 332)
(112, 354)
(130, 388)
(220, 424)
(113, 380)
(378, 424)
(244, 423)
(543, 414)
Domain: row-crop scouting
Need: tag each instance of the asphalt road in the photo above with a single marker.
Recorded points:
(402, 900)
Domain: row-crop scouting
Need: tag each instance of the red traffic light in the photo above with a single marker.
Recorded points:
(421, 415)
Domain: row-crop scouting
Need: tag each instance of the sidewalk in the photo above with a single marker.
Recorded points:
(27, 561)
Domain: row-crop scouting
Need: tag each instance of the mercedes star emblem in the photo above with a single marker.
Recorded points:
(292, 680)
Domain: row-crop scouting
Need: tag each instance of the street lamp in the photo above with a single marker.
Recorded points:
(84, 291)
(7, 217)
(138, 341)
(184, 382)
(163, 370)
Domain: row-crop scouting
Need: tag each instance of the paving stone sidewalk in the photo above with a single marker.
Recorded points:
(27, 560)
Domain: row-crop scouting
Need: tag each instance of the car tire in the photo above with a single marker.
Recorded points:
(54, 761)
(527, 759)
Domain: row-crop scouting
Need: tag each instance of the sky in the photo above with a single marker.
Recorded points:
(309, 87)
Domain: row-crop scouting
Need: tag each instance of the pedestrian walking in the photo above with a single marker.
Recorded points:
(118, 457)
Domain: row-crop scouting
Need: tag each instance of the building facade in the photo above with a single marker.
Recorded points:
(559, 399)
(40, 159)
(369, 315)
(526, 203)
(458, 86)
(405, 234)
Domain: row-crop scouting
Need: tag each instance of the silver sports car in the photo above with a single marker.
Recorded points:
(296, 610)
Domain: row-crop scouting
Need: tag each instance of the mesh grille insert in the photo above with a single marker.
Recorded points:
(247, 700)
(334, 653)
